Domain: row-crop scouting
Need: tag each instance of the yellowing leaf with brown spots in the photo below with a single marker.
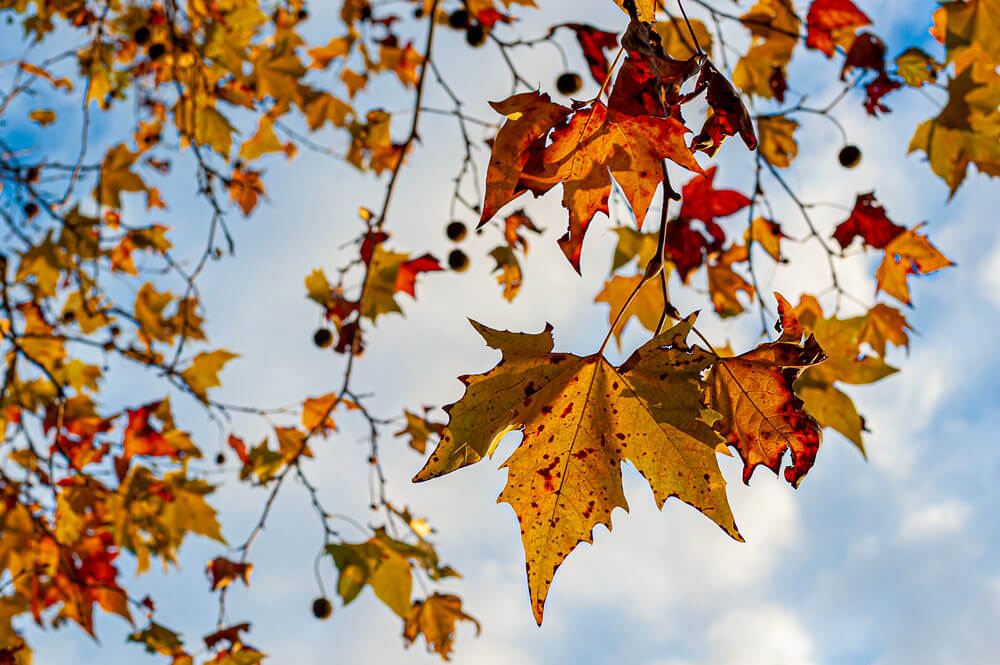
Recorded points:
(581, 418)
(761, 415)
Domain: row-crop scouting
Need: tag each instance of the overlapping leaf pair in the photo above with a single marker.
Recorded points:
(583, 147)
(667, 410)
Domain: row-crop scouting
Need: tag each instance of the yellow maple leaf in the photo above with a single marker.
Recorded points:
(907, 254)
(203, 373)
(582, 418)
(116, 176)
(777, 139)
(647, 306)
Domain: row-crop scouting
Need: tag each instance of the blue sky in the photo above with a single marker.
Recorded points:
(893, 561)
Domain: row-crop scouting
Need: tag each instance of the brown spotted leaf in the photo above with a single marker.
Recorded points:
(581, 418)
(761, 415)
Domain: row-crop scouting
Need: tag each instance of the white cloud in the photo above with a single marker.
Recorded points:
(760, 635)
(990, 272)
(934, 521)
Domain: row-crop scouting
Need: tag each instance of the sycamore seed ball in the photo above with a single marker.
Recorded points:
(323, 338)
(569, 83)
(850, 156)
(475, 35)
(455, 231)
(322, 608)
(459, 19)
(458, 261)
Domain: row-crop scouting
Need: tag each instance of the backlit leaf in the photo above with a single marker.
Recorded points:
(581, 418)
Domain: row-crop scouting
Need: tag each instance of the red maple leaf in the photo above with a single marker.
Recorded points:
(490, 17)
(530, 117)
(231, 634)
(140, 436)
(727, 116)
(582, 152)
(868, 221)
(876, 90)
(825, 16)
(868, 53)
(593, 42)
(239, 447)
(702, 201)
(649, 81)
(406, 278)
(687, 248)
(372, 240)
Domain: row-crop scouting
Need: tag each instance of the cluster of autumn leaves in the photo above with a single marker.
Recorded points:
(87, 484)
(228, 83)
(670, 408)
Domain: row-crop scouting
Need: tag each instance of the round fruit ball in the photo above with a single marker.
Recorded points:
(322, 608)
(459, 19)
(323, 338)
(220, 459)
(569, 83)
(850, 156)
(30, 208)
(156, 51)
(141, 35)
(475, 35)
(458, 261)
(455, 231)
